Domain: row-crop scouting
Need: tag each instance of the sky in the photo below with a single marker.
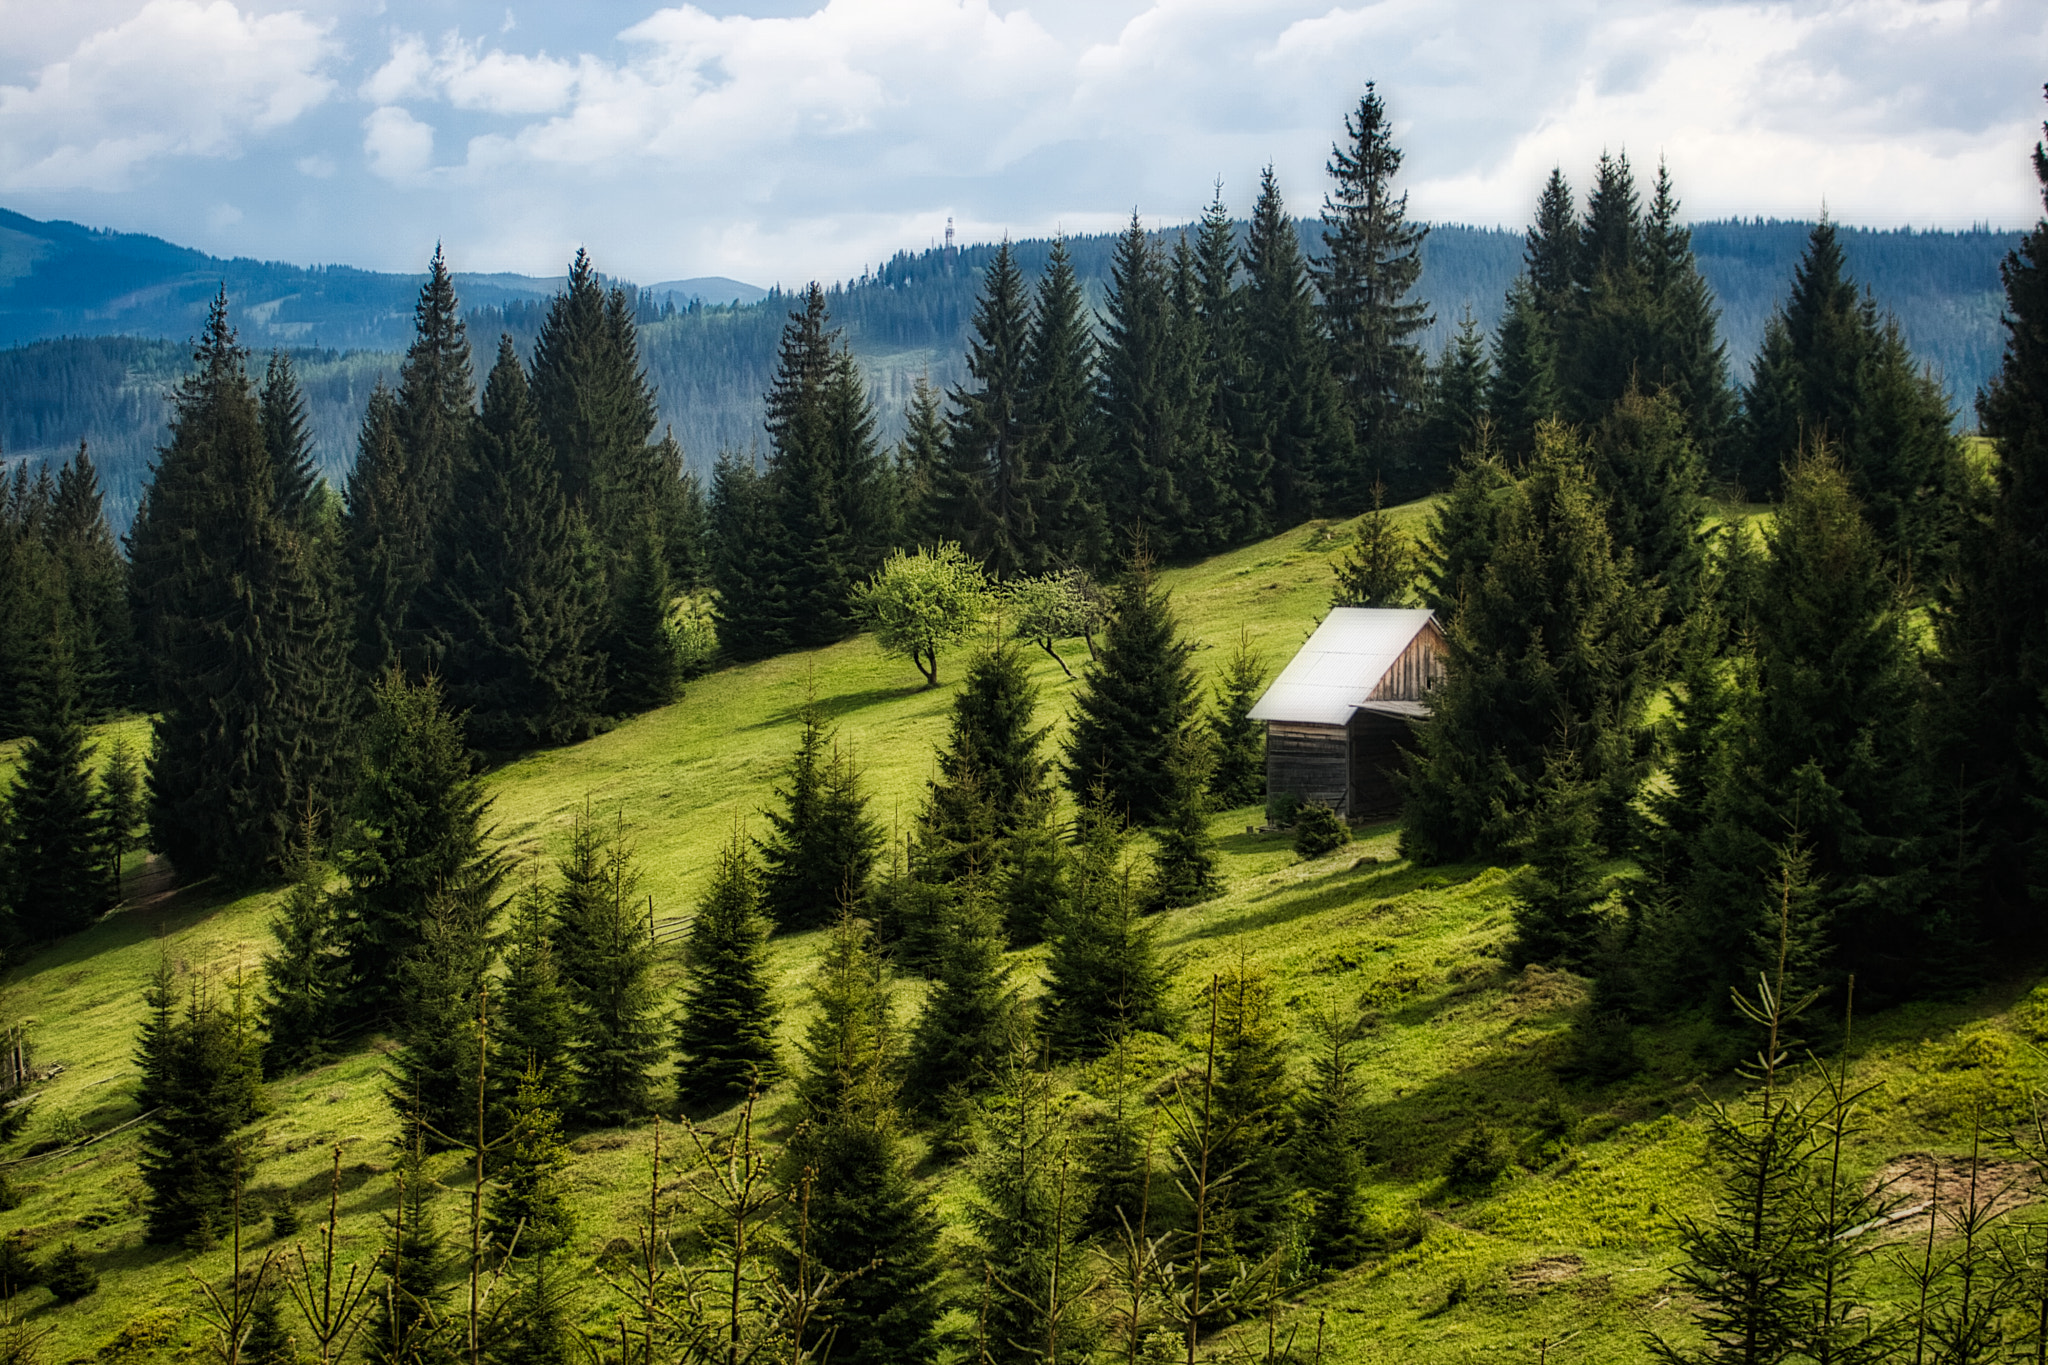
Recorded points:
(782, 140)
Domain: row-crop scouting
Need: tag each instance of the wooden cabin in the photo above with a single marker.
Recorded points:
(1336, 715)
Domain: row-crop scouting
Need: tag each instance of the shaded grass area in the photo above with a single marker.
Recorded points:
(1574, 1240)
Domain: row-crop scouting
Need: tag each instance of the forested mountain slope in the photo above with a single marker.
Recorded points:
(1510, 1203)
(62, 285)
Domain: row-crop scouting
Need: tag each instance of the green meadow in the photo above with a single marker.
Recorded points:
(1572, 1246)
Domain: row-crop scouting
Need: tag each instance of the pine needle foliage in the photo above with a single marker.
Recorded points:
(1238, 742)
(725, 1034)
(822, 845)
(416, 833)
(1135, 703)
(602, 933)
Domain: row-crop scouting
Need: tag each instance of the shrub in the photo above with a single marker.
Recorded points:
(18, 1269)
(1281, 808)
(1478, 1159)
(69, 1275)
(284, 1220)
(1318, 830)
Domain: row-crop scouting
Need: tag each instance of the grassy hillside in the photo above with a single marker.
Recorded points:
(1574, 1240)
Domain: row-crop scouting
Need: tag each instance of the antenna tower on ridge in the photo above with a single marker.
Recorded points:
(949, 234)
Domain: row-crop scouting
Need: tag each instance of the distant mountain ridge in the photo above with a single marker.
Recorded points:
(98, 323)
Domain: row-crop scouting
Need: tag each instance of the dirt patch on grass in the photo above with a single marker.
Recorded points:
(1920, 1183)
(1539, 1275)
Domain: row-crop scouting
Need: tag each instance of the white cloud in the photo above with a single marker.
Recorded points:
(177, 78)
(775, 147)
(399, 147)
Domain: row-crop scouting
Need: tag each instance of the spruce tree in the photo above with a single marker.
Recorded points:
(920, 457)
(1555, 916)
(432, 1077)
(31, 593)
(747, 601)
(989, 493)
(1062, 436)
(530, 1200)
(725, 1035)
(1607, 326)
(203, 1075)
(1253, 1101)
(1329, 1143)
(1993, 667)
(54, 869)
(1458, 394)
(863, 1211)
(95, 578)
(1686, 357)
(1144, 432)
(518, 584)
(994, 738)
(1295, 409)
(1547, 628)
(607, 965)
(1239, 742)
(1103, 977)
(1214, 516)
(596, 412)
(415, 445)
(1245, 472)
(1829, 747)
(416, 834)
(384, 538)
(1030, 1208)
(823, 844)
(1135, 703)
(223, 569)
(1523, 392)
(972, 1014)
(804, 549)
(436, 394)
(1372, 260)
(1831, 368)
(304, 975)
(530, 1011)
(643, 660)
(1651, 471)
(1185, 867)
(1378, 568)
(408, 1322)
(120, 808)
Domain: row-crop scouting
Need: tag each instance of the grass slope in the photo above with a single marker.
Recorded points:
(1575, 1240)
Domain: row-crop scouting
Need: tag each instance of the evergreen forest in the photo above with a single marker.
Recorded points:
(534, 899)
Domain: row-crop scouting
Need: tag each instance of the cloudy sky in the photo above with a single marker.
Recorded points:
(781, 139)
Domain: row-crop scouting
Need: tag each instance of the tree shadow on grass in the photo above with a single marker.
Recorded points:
(1341, 887)
(844, 704)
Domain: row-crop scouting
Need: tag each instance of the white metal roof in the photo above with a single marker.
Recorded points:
(1340, 665)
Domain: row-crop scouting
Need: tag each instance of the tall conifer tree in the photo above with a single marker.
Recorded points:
(864, 1212)
(602, 933)
(54, 873)
(415, 835)
(1371, 264)
(1062, 436)
(224, 573)
(1143, 431)
(726, 1034)
(1993, 673)
(518, 586)
(1135, 703)
(1458, 392)
(1295, 408)
(95, 578)
(1547, 628)
(991, 490)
